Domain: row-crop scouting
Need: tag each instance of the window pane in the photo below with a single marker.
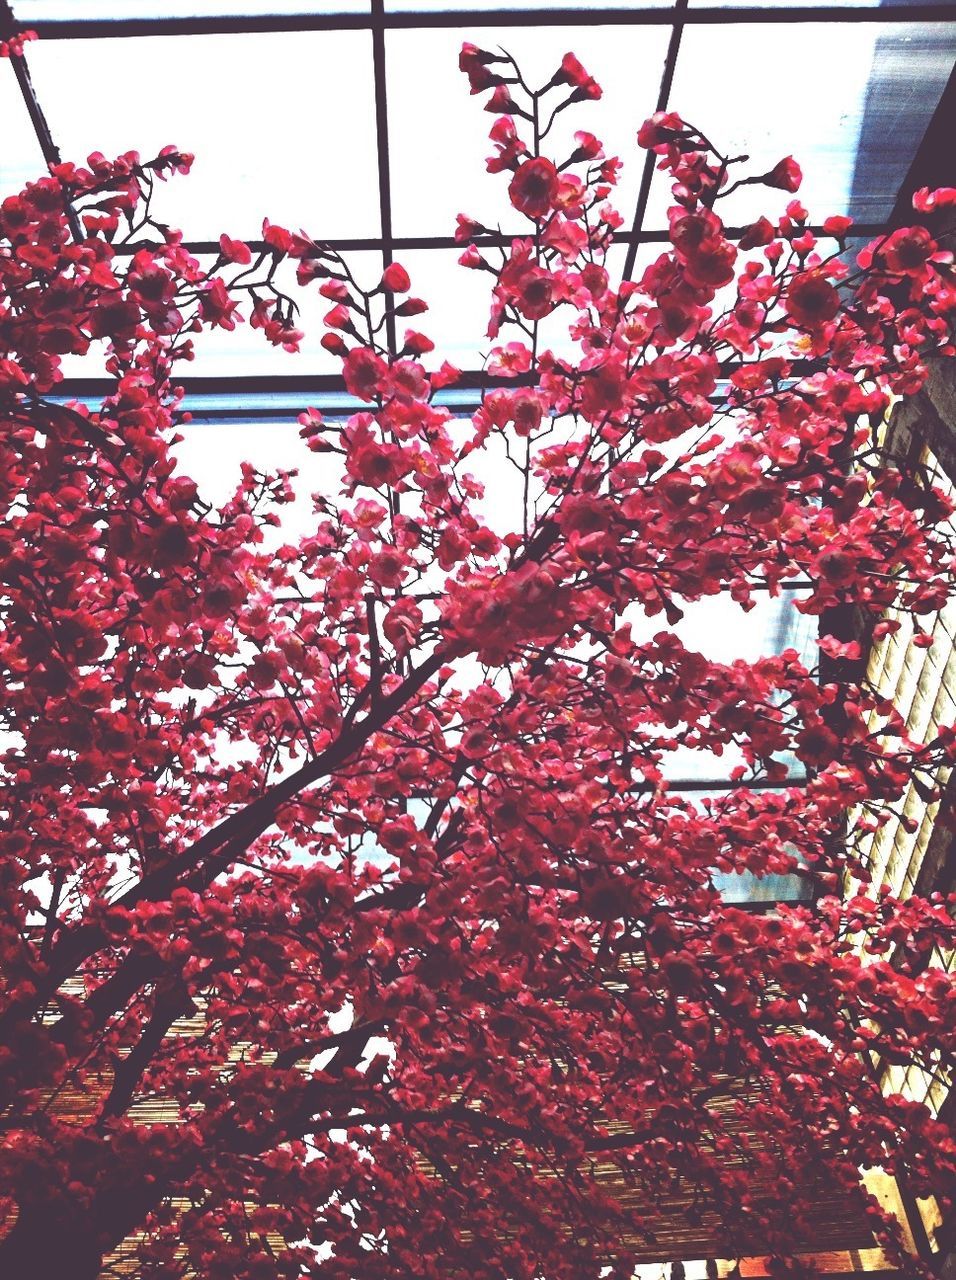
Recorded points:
(741, 887)
(439, 133)
(874, 89)
(21, 160)
(459, 301)
(722, 631)
(264, 114)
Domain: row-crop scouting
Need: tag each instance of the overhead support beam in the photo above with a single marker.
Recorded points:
(585, 16)
(306, 384)
(503, 240)
(663, 96)
(10, 27)
(384, 165)
(932, 166)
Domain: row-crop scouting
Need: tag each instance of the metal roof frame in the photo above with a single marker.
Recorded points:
(379, 20)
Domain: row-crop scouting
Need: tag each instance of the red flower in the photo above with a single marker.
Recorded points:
(395, 278)
(660, 130)
(817, 745)
(526, 413)
(595, 280)
(170, 159)
(402, 624)
(364, 373)
(837, 226)
(837, 567)
(407, 380)
(908, 250)
(571, 72)
(334, 343)
(785, 175)
(534, 187)
(276, 238)
(467, 229)
(412, 307)
(217, 307)
(416, 344)
(117, 319)
(339, 318)
(534, 293)
(811, 300)
(603, 389)
(474, 62)
(588, 148)
(13, 46)
(388, 567)
(472, 259)
(759, 233)
(712, 263)
(234, 250)
(927, 201)
(501, 101)
(508, 146)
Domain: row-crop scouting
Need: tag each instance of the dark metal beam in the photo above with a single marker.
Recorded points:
(650, 160)
(322, 383)
(264, 384)
(9, 27)
(933, 165)
(98, 28)
(384, 162)
(492, 241)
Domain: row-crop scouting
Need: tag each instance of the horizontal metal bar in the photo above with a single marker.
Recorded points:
(225, 24)
(265, 384)
(329, 383)
(497, 240)
(725, 784)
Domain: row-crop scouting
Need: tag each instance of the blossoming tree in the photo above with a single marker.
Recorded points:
(357, 852)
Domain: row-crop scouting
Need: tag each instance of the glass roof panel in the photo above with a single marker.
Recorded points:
(21, 160)
(803, 4)
(739, 888)
(874, 89)
(91, 10)
(459, 301)
(431, 6)
(263, 113)
(439, 133)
